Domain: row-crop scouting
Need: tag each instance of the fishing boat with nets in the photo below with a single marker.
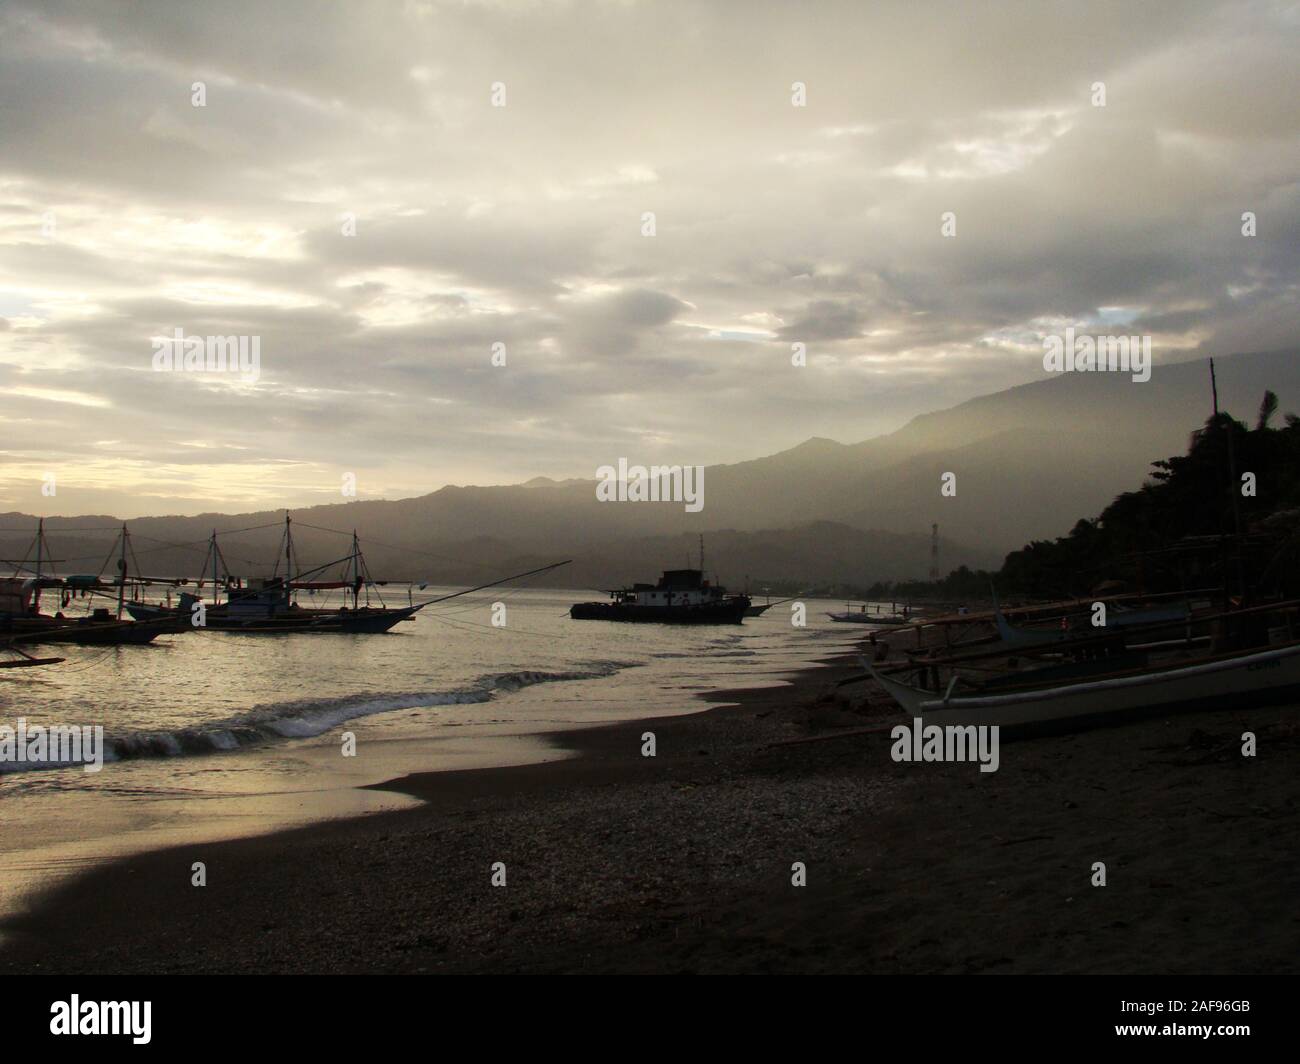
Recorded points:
(269, 605)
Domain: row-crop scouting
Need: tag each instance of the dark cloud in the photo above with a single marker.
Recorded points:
(126, 212)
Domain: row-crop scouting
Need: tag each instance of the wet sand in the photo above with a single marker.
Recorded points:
(615, 862)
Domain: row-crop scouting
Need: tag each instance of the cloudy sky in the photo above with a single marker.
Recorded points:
(127, 212)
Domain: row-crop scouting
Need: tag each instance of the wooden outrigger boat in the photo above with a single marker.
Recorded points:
(20, 605)
(1088, 681)
(849, 616)
(268, 607)
(1118, 617)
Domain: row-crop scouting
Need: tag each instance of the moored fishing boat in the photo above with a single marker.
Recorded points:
(863, 616)
(265, 606)
(1097, 679)
(268, 605)
(20, 605)
(682, 596)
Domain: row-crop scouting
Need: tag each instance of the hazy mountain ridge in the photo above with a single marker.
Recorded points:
(1029, 462)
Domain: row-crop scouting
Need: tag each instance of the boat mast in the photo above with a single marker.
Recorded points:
(288, 558)
(40, 538)
(121, 574)
(213, 548)
(356, 570)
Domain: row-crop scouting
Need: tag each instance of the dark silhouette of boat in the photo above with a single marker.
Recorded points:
(682, 596)
(268, 606)
(21, 618)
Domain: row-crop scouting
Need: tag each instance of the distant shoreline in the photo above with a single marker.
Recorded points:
(621, 863)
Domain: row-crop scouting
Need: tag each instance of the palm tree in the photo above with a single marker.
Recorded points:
(1267, 408)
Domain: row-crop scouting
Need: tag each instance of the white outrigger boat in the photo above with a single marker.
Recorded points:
(1094, 689)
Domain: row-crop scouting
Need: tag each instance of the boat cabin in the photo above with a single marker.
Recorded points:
(677, 587)
(16, 596)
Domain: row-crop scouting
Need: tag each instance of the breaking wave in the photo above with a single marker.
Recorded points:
(306, 718)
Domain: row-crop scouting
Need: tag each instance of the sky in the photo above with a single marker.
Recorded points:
(646, 205)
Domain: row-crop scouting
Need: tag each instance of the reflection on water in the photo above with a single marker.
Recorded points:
(220, 735)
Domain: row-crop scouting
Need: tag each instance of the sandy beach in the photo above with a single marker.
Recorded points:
(615, 862)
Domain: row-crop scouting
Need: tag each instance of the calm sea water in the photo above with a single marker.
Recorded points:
(212, 734)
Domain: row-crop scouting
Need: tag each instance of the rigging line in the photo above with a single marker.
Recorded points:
(467, 625)
(394, 546)
(495, 583)
(32, 531)
(83, 666)
(506, 596)
(445, 613)
(223, 532)
(191, 544)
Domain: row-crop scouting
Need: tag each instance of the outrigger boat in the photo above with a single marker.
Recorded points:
(861, 616)
(1118, 616)
(20, 602)
(268, 606)
(1093, 680)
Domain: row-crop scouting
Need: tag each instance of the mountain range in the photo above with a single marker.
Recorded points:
(1028, 463)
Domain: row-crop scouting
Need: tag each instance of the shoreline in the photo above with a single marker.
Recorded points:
(682, 862)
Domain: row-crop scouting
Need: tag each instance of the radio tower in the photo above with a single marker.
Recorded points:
(934, 553)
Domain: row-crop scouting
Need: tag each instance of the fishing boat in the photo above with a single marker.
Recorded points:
(1082, 682)
(862, 616)
(682, 596)
(21, 618)
(269, 606)
(1069, 627)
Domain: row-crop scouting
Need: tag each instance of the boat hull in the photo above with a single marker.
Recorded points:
(1256, 677)
(86, 633)
(217, 619)
(730, 612)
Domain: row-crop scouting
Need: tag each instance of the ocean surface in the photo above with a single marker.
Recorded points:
(213, 735)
